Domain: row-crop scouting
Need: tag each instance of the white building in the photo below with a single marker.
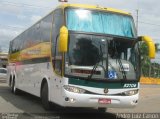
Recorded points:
(3, 59)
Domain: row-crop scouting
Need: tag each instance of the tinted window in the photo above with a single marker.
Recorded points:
(24, 39)
(57, 57)
(45, 26)
(39, 32)
(10, 47)
(57, 23)
(30, 39)
(17, 44)
(36, 34)
(13, 46)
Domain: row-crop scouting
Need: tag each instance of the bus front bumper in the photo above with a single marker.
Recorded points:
(71, 99)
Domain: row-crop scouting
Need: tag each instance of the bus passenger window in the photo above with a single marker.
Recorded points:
(57, 62)
(57, 57)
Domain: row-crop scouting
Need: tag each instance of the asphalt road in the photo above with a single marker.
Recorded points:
(29, 107)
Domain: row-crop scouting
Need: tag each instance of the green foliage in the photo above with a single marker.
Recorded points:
(145, 60)
(157, 46)
(148, 68)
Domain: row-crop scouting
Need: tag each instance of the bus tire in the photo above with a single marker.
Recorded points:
(13, 88)
(102, 110)
(44, 97)
(10, 81)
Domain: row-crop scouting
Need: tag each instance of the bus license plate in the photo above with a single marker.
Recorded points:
(104, 101)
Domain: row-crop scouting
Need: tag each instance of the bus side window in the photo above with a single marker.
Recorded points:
(57, 60)
(10, 47)
(56, 56)
(45, 26)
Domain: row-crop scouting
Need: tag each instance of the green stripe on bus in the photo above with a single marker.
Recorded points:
(33, 61)
(99, 84)
(36, 60)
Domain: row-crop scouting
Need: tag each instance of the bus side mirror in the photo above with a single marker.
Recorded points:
(148, 40)
(63, 41)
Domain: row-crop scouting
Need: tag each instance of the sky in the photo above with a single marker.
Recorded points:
(18, 15)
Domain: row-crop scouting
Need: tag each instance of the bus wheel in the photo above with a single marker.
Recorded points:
(44, 97)
(102, 110)
(13, 88)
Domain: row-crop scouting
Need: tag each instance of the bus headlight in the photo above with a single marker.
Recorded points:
(74, 89)
(131, 92)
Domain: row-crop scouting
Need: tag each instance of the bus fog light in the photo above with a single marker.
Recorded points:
(74, 89)
(131, 92)
(72, 100)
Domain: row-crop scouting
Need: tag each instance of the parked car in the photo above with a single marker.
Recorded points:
(3, 73)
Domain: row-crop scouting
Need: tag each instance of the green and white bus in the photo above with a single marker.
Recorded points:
(79, 56)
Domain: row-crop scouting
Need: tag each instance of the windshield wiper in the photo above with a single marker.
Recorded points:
(120, 64)
(94, 69)
(122, 68)
(97, 64)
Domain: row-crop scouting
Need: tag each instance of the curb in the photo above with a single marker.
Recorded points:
(148, 80)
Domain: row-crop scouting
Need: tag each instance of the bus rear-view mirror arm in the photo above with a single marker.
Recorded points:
(151, 45)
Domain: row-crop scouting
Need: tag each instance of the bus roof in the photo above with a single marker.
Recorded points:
(85, 6)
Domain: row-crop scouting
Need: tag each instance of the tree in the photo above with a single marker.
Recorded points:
(157, 47)
(145, 60)
(147, 68)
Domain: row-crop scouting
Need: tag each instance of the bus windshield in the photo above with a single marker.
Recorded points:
(100, 22)
(101, 56)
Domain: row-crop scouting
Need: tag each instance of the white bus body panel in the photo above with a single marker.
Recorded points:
(29, 78)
